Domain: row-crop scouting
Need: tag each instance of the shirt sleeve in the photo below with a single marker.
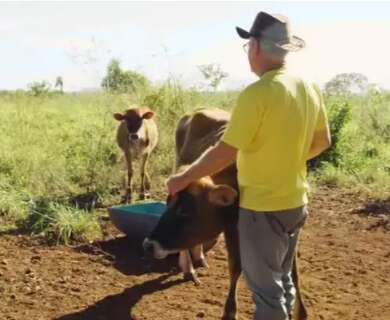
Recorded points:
(322, 119)
(244, 122)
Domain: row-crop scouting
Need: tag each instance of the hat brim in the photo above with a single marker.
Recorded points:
(295, 43)
(243, 33)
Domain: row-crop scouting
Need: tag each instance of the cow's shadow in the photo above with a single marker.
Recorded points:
(127, 256)
(119, 306)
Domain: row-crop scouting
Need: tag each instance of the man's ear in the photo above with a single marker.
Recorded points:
(148, 115)
(222, 195)
(257, 47)
(118, 116)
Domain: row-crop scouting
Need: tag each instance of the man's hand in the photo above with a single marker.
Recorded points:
(212, 160)
(176, 183)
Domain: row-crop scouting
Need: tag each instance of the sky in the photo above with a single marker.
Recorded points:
(76, 40)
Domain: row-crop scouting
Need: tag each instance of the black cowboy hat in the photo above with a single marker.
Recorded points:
(275, 29)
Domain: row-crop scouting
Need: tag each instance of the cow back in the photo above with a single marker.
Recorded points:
(197, 132)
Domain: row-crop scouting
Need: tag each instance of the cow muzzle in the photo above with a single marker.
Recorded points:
(134, 136)
(153, 248)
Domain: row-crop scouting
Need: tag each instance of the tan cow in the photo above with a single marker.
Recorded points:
(137, 136)
(206, 208)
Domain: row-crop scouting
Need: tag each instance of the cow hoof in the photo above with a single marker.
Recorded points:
(229, 317)
(144, 196)
(188, 276)
(126, 199)
(202, 263)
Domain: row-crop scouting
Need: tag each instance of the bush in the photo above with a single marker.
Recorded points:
(59, 223)
(339, 114)
(38, 89)
(122, 81)
(361, 156)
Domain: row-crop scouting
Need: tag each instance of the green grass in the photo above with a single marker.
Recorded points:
(60, 223)
(362, 146)
(59, 148)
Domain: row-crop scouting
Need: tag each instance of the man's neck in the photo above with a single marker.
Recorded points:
(270, 67)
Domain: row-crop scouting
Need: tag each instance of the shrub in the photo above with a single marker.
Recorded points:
(59, 223)
(339, 114)
(39, 88)
(123, 81)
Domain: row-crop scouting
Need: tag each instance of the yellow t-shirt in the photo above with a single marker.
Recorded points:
(272, 126)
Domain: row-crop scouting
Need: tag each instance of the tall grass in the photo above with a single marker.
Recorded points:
(59, 154)
(360, 155)
(59, 160)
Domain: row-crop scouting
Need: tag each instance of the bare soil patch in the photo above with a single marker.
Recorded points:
(344, 263)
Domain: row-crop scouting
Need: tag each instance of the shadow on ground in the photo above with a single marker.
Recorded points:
(119, 306)
(379, 209)
(127, 256)
(375, 208)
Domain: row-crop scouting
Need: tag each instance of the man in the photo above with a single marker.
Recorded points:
(278, 124)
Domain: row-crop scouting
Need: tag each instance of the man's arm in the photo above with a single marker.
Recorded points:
(321, 141)
(213, 160)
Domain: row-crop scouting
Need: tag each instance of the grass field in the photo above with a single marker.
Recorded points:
(59, 162)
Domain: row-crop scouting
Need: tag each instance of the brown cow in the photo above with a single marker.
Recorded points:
(207, 207)
(137, 136)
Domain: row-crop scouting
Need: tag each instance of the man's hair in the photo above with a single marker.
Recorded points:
(272, 50)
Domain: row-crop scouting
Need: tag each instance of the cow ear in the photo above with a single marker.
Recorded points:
(118, 116)
(148, 115)
(222, 195)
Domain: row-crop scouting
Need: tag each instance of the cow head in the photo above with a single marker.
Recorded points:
(134, 118)
(193, 216)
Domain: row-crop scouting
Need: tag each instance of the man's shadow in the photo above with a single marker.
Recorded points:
(127, 256)
(119, 306)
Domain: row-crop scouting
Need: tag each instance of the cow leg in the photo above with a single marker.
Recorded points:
(299, 312)
(198, 258)
(128, 194)
(145, 180)
(208, 245)
(185, 263)
(233, 250)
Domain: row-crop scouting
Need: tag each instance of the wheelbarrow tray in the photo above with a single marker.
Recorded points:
(137, 220)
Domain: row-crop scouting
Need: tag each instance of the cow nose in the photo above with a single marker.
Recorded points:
(134, 136)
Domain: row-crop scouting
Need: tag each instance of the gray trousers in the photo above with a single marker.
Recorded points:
(268, 241)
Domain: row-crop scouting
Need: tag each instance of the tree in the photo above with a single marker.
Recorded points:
(123, 81)
(59, 83)
(39, 88)
(213, 74)
(347, 84)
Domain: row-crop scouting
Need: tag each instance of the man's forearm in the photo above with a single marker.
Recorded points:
(213, 160)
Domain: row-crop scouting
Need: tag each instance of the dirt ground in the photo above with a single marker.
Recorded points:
(344, 262)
